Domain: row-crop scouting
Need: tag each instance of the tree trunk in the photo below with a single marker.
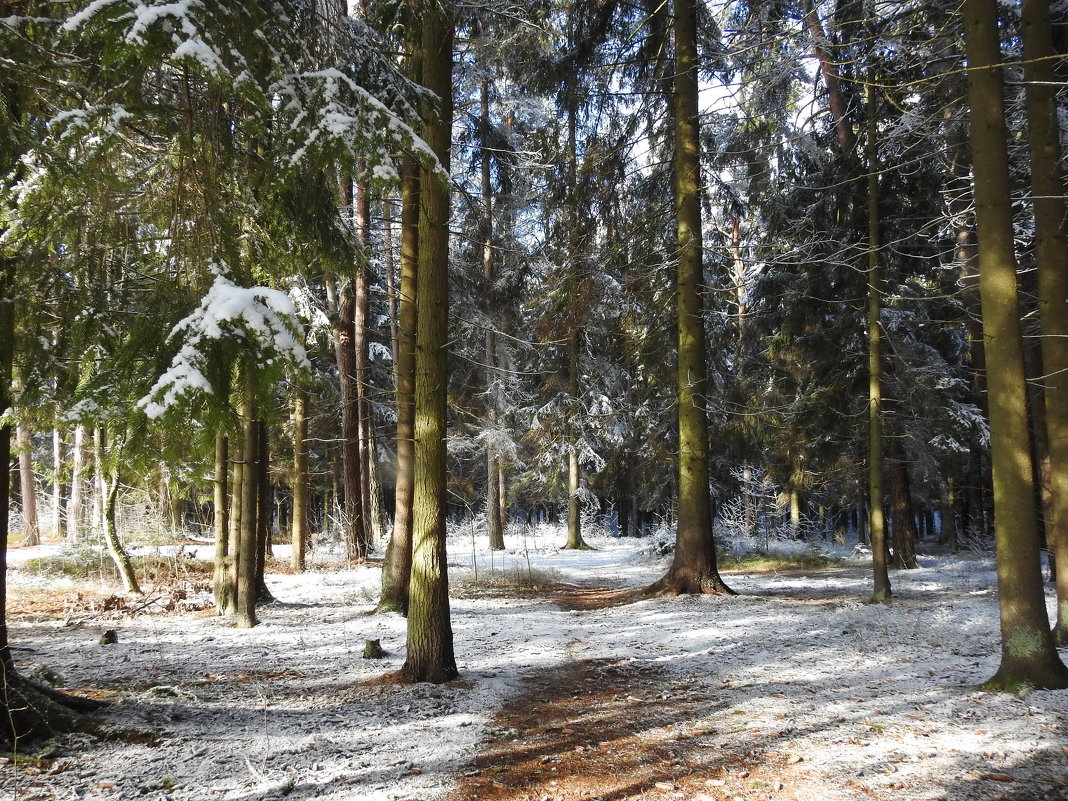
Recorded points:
(223, 588)
(363, 363)
(247, 528)
(264, 506)
(26, 711)
(110, 475)
(430, 643)
(299, 481)
(345, 354)
(494, 509)
(574, 474)
(881, 591)
(58, 498)
(904, 526)
(694, 567)
(31, 531)
(396, 568)
(1051, 255)
(1028, 655)
(76, 509)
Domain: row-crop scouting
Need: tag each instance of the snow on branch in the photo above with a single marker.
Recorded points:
(262, 318)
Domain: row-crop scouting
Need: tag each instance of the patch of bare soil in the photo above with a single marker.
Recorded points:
(624, 730)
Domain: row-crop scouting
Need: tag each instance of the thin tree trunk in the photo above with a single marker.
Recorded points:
(31, 531)
(574, 474)
(223, 587)
(264, 507)
(299, 481)
(694, 567)
(494, 511)
(248, 531)
(111, 475)
(1051, 254)
(345, 354)
(904, 526)
(58, 497)
(430, 643)
(1028, 655)
(76, 504)
(363, 363)
(881, 591)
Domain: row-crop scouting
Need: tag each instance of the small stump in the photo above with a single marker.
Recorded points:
(372, 649)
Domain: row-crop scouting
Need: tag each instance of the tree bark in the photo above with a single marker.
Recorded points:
(247, 528)
(345, 354)
(1028, 655)
(494, 502)
(110, 475)
(299, 481)
(31, 530)
(76, 509)
(1051, 255)
(223, 588)
(58, 498)
(694, 568)
(264, 506)
(396, 568)
(361, 316)
(430, 642)
(881, 591)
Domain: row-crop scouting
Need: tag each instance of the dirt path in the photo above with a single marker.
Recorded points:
(610, 730)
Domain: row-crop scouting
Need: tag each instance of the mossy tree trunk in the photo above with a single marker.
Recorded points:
(1028, 656)
(1051, 255)
(430, 643)
(109, 462)
(694, 568)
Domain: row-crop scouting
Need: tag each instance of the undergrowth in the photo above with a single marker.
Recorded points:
(771, 562)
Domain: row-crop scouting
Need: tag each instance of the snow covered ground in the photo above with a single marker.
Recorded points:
(877, 701)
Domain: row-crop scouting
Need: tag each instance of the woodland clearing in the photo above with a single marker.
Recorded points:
(572, 687)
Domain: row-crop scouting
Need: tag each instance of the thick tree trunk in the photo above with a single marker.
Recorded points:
(694, 568)
(396, 568)
(31, 530)
(1028, 655)
(430, 643)
(299, 481)
(1051, 255)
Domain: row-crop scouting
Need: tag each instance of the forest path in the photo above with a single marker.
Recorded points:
(611, 729)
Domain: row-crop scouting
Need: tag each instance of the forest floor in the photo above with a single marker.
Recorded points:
(573, 687)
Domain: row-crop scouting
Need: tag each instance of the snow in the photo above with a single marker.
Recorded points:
(268, 316)
(290, 707)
